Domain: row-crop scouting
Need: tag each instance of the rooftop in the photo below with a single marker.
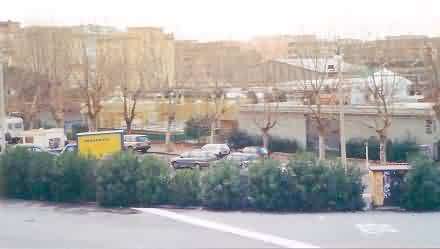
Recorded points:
(398, 109)
(320, 64)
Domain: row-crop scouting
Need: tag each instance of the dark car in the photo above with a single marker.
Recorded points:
(242, 159)
(193, 159)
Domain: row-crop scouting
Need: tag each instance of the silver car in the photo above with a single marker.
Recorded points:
(220, 150)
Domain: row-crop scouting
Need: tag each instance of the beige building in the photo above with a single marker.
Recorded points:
(202, 64)
(416, 120)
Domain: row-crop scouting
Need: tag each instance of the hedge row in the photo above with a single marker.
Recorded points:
(304, 184)
(397, 150)
(40, 176)
(240, 139)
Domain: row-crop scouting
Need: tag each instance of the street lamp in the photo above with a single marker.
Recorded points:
(341, 109)
(3, 61)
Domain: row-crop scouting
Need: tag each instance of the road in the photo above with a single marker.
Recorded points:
(40, 225)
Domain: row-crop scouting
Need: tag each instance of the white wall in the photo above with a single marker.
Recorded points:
(291, 126)
(401, 127)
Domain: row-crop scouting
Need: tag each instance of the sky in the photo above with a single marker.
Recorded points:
(238, 19)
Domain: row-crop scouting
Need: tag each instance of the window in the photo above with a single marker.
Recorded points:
(18, 126)
(10, 126)
(429, 126)
(141, 138)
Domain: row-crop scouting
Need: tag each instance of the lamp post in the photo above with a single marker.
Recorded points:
(341, 110)
(2, 103)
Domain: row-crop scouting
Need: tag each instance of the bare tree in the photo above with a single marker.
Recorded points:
(45, 52)
(59, 70)
(270, 109)
(315, 83)
(91, 73)
(30, 61)
(218, 99)
(381, 86)
(433, 64)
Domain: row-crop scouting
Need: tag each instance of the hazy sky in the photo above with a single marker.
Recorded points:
(239, 19)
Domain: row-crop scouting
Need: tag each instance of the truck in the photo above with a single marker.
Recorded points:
(100, 144)
(48, 139)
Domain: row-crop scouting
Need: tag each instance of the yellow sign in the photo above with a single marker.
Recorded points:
(99, 144)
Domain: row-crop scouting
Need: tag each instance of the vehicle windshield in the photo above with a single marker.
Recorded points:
(141, 139)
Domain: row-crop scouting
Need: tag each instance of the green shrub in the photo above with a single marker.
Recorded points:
(272, 187)
(73, 178)
(277, 144)
(240, 139)
(27, 174)
(325, 185)
(221, 186)
(126, 181)
(197, 127)
(421, 187)
(185, 188)
(397, 151)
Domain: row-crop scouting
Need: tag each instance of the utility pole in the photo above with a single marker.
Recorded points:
(341, 109)
(2, 104)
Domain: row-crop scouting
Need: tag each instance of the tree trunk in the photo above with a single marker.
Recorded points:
(91, 123)
(383, 149)
(321, 146)
(59, 119)
(265, 137)
(128, 124)
(59, 122)
(211, 137)
(168, 138)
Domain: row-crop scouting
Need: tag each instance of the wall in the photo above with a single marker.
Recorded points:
(291, 126)
(401, 127)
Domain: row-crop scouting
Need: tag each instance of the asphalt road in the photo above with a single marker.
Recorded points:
(39, 225)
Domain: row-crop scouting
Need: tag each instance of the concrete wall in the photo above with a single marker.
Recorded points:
(291, 126)
(401, 127)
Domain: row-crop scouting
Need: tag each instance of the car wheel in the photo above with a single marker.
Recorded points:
(197, 166)
(173, 164)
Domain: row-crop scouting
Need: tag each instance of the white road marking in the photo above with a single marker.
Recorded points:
(376, 229)
(272, 239)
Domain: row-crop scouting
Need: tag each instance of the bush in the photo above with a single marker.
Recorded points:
(271, 187)
(27, 174)
(240, 139)
(277, 144)
(397, 151)
(185, 188)
(39, 176)
(73, 178)
(421, 187)
(221, 186)
(197, 127)
(325, 185)
(126, 181)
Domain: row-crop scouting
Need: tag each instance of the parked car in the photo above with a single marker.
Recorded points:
(220, 150)
(193, 159)
(242, 159)
(34, 148)
(137, 143)
(259, 151)
(70, 148)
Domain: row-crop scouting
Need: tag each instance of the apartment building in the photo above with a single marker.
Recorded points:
(204, 64)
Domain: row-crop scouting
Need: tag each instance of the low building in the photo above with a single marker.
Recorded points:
(414, 120)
